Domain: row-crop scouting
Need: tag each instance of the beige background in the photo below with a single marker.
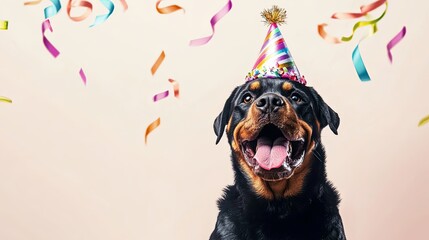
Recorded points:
(73, 162)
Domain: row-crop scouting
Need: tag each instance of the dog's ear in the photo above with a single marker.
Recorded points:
(222, 118)
(324, 113)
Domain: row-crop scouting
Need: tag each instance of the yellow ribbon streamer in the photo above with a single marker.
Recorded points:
(4, 24)
(424, 121)
(5, 99)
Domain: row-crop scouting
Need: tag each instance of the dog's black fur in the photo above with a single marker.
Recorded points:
(311, 213)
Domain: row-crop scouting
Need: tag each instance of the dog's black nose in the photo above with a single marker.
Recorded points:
(269, 102)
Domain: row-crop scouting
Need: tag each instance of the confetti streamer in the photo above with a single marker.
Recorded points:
(101, 18)
(4, 24)
(158, 62)
(219, 15)
(424, 121)
(325, 36)
(83, 76)
(330, 39)
(175, 87)
(124, 5)
(168, 9)
(152, 127)
(395, 41)
(359, 65)
(79, 3)
(5, 99)
(365, 9)
(52, 10)
(49, 11)
(32, 2)
(47, 25)
(356, 56)
(160, 96)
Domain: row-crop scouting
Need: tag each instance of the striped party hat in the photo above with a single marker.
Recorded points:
(275, 59)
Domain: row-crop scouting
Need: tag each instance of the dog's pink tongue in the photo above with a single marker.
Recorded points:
(271, 155)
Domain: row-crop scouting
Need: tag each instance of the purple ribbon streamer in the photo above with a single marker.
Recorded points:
(395, 41)
(219, 15)
(47, 25)
(160, 96)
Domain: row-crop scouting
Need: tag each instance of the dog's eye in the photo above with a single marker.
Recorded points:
(296, 98)
(247, 98)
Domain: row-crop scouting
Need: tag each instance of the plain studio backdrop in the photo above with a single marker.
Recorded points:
(73, 158)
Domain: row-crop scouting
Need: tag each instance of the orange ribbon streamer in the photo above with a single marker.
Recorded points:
(325, 36)
(33, 2)
(157, 63)
(168, 9)
(151, 127)
(79, 3)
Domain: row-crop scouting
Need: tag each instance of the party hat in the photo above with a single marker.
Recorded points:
(275, 59)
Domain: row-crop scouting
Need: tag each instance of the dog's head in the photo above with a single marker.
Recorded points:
(273, 125)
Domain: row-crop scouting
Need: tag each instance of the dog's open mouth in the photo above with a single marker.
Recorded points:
(272, 155)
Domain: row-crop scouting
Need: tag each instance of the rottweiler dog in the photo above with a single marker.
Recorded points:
(281, 190)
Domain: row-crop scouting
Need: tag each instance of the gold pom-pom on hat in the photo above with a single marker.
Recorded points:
(274, 15)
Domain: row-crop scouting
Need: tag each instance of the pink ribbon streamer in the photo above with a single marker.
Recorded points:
(160, 96)
(47, 25)
(219, 15)
(395, 41)
(124, 5)
(83, 76)
(364, 10)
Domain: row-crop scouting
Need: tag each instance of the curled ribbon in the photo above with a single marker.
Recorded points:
(324, 34)
(424, 121)
(47, 25)
(4, 24)
(175, 87)
(365, 9)
(160, 96)
(359, 65)
(152, 127)
(5, 99)
(363, 24)
(331, 39)
(219, 15)
(101, 18)
(82, 76)
(79, 3)
(52, 10)
(395, 41)
(168, 9)
(356, 56)
(157, 63)
(49, 11)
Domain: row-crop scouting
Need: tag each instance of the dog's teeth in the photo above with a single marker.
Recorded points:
(289, 150)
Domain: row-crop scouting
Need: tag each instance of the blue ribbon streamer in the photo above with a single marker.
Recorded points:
(52, 10)
(359, 65)
(101, 18)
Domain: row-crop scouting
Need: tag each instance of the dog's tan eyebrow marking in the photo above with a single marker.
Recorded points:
(254, 86)
(287, 86)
